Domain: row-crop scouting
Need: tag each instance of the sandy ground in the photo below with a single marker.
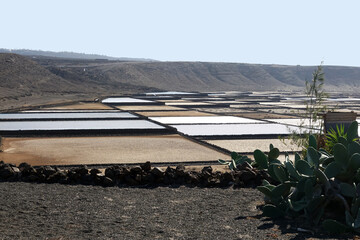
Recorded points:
(222, 110)
(251, 106)
(83, 106)
(262, 115)
(37, 100)
(173, 101)
(105, 150)
(283, 111)
(249, 145)
(54, 211)
(174, 114)
(188, 104)
(225, 101)
(149, 108)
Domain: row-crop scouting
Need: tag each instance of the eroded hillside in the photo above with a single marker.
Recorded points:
(42, 78)
(202, 76)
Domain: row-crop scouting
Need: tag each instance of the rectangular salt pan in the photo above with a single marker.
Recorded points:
(204, 120)
(169, 93)
(296, 122)
(343, 99)
(65, 115)
(77, 125)
(69, 111)
(188, 104)
(125, 100)
(203, 99)
(235, 129)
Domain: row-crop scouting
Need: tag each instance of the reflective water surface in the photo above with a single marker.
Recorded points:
(77, 125)
(65, 115)
(235, 129)
(125, 100)
(204, 120)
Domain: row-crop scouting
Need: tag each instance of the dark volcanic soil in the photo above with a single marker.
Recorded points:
(54, 211)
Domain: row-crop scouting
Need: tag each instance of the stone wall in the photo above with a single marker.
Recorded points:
(143, 175)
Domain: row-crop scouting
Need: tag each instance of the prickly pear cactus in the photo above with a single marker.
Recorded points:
(307, 186)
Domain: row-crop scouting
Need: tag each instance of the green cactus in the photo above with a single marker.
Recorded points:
(306, 186)
(236, 159)
(280, 172)
(304, 168)
(312, 141)
(333, 136)
(332, 169)
(335, 227)
(261, 159)
(272, 211)
(273, 154)
(352, 224)
(293, 173)
(313, 157)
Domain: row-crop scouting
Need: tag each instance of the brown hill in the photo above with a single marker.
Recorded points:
(68, 55)
(202, 76)
(21, 75)
(24, 81)
(44, 77)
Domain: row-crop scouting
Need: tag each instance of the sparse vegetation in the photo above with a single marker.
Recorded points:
(335, 136)
(236, 159)
(310, 124)
(323, 187)
(315, 98)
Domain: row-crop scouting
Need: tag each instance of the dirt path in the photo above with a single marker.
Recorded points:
(54, 211)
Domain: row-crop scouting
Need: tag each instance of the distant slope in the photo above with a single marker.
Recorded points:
(71, 55)
(337, 78)
(21, 76)
(45, 77)
(203, 76)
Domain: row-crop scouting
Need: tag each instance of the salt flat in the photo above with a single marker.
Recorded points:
(235, 129)
(204, 120)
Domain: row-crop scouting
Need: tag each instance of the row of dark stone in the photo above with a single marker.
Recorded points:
(143, 175)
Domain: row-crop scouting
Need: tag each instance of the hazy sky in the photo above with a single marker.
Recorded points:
(303, 32)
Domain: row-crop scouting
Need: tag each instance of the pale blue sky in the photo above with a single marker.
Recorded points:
(292, 32)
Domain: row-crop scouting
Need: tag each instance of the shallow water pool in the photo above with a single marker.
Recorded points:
(204, 120)
(65, 115)
(235, 129)
(77, 125)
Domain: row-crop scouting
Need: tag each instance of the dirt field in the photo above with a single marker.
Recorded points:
(174, 114)
(105, 150)
(149, 108)
(189, 104)
(83, 106)
(30, 102)
(249, 145)
(260, 116)
(222, 110)
(54, 211)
